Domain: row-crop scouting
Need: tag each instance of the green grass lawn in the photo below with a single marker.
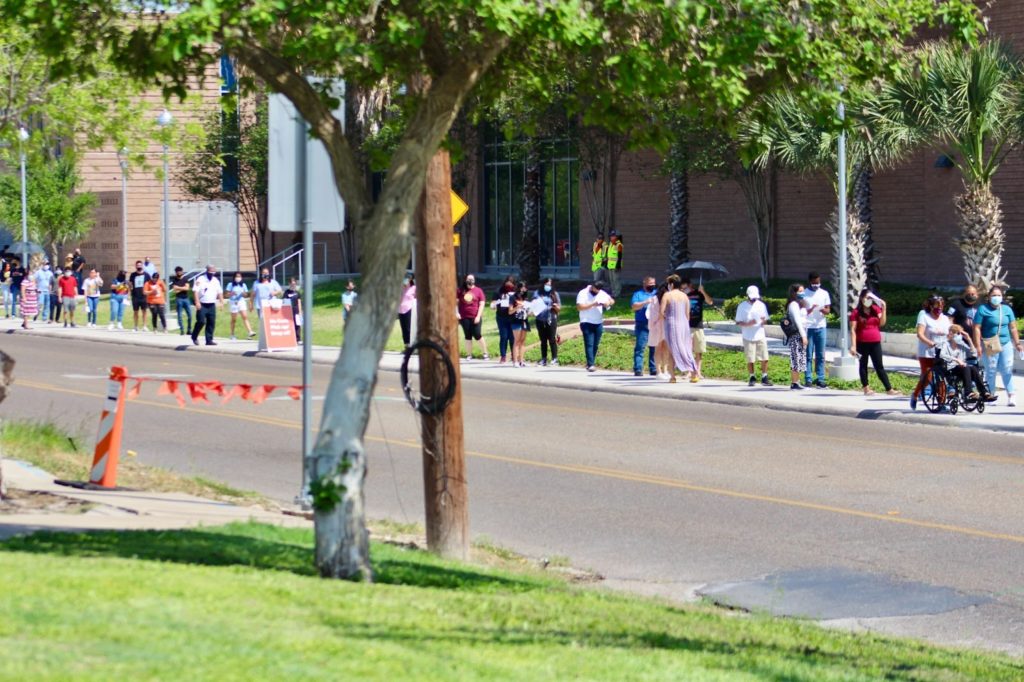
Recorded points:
(240, 602)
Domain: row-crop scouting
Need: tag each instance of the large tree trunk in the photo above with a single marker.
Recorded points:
(862, 207)
(981, 237)
(336, 468)
(6, 368)
(856, 273)
(444, 473)
(529, 250)
(679, 209)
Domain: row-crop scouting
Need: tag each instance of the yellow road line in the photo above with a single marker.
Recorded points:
(636, 477)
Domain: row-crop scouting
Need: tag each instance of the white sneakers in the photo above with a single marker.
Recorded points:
(1010, 402)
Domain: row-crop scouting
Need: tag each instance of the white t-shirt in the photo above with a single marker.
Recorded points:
(819, 299)
(208, 290)
(593, 315)
(935, 330)
(752, 312)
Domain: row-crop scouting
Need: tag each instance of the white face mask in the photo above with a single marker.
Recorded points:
(995, 300)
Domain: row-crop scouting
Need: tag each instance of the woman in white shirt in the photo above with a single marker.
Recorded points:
(932, 330)
(797, 341)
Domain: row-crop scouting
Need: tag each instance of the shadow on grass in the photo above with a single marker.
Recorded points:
(264, 548)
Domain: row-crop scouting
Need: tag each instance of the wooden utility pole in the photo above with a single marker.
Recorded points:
(444, 472)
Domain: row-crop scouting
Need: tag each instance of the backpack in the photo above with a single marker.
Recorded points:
(789, 328)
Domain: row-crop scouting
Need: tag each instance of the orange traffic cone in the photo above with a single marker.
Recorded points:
(108, 440)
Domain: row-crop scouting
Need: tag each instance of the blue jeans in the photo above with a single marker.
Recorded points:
(184, 304)
(116, 308)
(591, 339)
(638, 352)
(1001, 365)
(44, 306)
(93, 303)
(816, 351)
(504, 334)
(5, 294)
(15, 297)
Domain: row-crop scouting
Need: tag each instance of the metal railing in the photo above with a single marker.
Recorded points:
(287, 262)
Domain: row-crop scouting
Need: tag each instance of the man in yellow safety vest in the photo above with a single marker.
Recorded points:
(614, 263)
(600, 259)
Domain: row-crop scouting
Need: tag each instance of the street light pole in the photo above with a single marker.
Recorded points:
(23, 137)
(843, 256)
(165, 119)
(122, 159)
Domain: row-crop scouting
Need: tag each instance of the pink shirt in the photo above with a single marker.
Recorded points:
(868, 329)
(408, 299)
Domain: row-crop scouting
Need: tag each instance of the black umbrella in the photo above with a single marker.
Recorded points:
(702, 270)
(19, 248)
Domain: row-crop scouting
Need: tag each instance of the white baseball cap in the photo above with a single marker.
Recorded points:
(752, 292)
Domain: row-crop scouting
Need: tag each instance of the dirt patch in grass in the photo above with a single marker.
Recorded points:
(25, 501)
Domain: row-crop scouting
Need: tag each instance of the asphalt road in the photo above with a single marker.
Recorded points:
(659, 496)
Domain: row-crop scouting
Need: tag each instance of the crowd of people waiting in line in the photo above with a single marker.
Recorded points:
(38, 294)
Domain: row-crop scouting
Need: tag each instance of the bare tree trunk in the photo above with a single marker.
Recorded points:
(529, 250)
(679, 209)
(758, 186)
(981, 240)
(444, 475)
(856, 273)
(6, 368)
(862, 207)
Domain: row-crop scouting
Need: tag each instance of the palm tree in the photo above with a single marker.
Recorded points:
(804, 141)
(679, 205)
(969, 100)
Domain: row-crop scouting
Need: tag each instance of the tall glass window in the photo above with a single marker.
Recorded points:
(504, 177)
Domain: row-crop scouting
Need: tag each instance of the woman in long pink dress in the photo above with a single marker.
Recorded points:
(29, 298)
(656, 337)
(675, 309)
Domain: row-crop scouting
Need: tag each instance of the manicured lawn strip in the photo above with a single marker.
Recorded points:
(239, 602)
(51, 448)
(616, 353)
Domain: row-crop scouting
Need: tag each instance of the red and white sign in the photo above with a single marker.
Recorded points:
(277, 327)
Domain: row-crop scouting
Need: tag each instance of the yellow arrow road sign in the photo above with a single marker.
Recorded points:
(459, 208)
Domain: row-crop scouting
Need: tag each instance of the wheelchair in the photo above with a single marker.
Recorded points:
(946, 391)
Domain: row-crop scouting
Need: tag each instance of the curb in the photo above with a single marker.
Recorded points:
(473, 373)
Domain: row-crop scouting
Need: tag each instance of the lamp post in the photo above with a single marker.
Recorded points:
(122, 160)
(23, 137)
(845, 366)
(163, 120)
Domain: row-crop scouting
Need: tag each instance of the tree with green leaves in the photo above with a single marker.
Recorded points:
(57, 212)
(805, 141)
(235, 139)
(441, 51)
(971, 100)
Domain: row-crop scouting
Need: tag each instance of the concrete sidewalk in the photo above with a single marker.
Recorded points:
(998, 416)
(120, 509)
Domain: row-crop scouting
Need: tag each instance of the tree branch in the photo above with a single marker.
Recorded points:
(283, 78)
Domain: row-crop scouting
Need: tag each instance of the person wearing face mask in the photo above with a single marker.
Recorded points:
(963, 309)
(119, 291)
(547, 321)
(5, 289)
(641, 330)
(93, 287)
(698, 300)
(932, 330)
(591, 302)
(68, 287)
(137, 283)
(180, 287)
(29, 298)
(502, 305)
(995, 333)
(752, 316)
(265, 289)
(866, 321)
(238, 300)
(156, 296)
(819, 304)
(208, 295)
(470, 301)
(291, 294)
(44, 281)
(675, 313)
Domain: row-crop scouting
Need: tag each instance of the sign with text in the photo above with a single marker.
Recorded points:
(277, 326)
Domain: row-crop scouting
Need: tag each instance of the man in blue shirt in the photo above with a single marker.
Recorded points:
(639, 303)
(44, 282)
